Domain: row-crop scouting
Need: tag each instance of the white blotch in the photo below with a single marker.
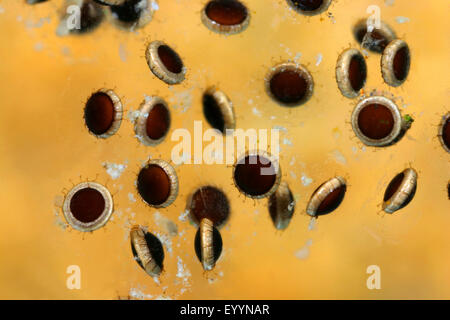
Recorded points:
(113, 169)
(136, 293)
(287, 142)
(131, 197)
(303, 253)
(256, 112)
(166, 241)
(312, 224)
(389, 2)
(401, 19)
(181, 101)
(132, 115)
(154, 6)
(306, 181)
(122, 52)
(319, 59)
(184, 215)
(339, 157)
(182, 271)
(280, 128)
(293, 175)
(39, 46)
(168, 225)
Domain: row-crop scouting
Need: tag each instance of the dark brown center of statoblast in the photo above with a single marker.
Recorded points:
(226, 12)
(153, 184)
(210, 202)
(87, 205)
(99, 113)
(288, 86)
(170, 59)
(255, 175)
(375, 121)
(158, 122)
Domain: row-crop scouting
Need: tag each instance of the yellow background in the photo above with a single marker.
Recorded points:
(45, 149)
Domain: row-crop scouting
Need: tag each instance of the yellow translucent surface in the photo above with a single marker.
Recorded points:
(45, 149)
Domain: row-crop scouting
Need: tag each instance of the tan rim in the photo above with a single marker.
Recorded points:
(342, 72)
(441, 131)
(157, 66)
(285, 206)
(141, 121)
(171, 173)
(139, 244)
(225, 105)
(320, 194)
(206, 244)
(101, 220)
(387, 62)
(405, 189)
(396, 130)
(225, 29)
(118, 114)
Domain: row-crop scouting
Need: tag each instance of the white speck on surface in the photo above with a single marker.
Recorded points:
(389, 2)
(256, 112)
(39, 46)
(401, 19)
(280, 128)
(319, 59)
(59, 221)
(292, 161)
(114, 170)
(132, 115)
(312, 224)
(303, 253)
(166, 241)
(168, 225)
(293, 175)
(138, 294)
(2, 10)
(154, 6)
(306, 181)
(250, 101)
(122, 52)
(131, 197)
(287, 142)
(182, 271)
(182, 100)
(338, 157)
(184, 215)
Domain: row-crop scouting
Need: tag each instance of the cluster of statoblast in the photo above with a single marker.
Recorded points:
(376, 121)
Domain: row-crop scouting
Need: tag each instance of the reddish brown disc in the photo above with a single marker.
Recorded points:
(375, 121)
(158, 122)
(332, 200)
(170, 59)
(226, 12)
(87, 205)
(357, 72)
(288, 86)
(154, 184)
(99, 113)
(255, 175)
(211, 203)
